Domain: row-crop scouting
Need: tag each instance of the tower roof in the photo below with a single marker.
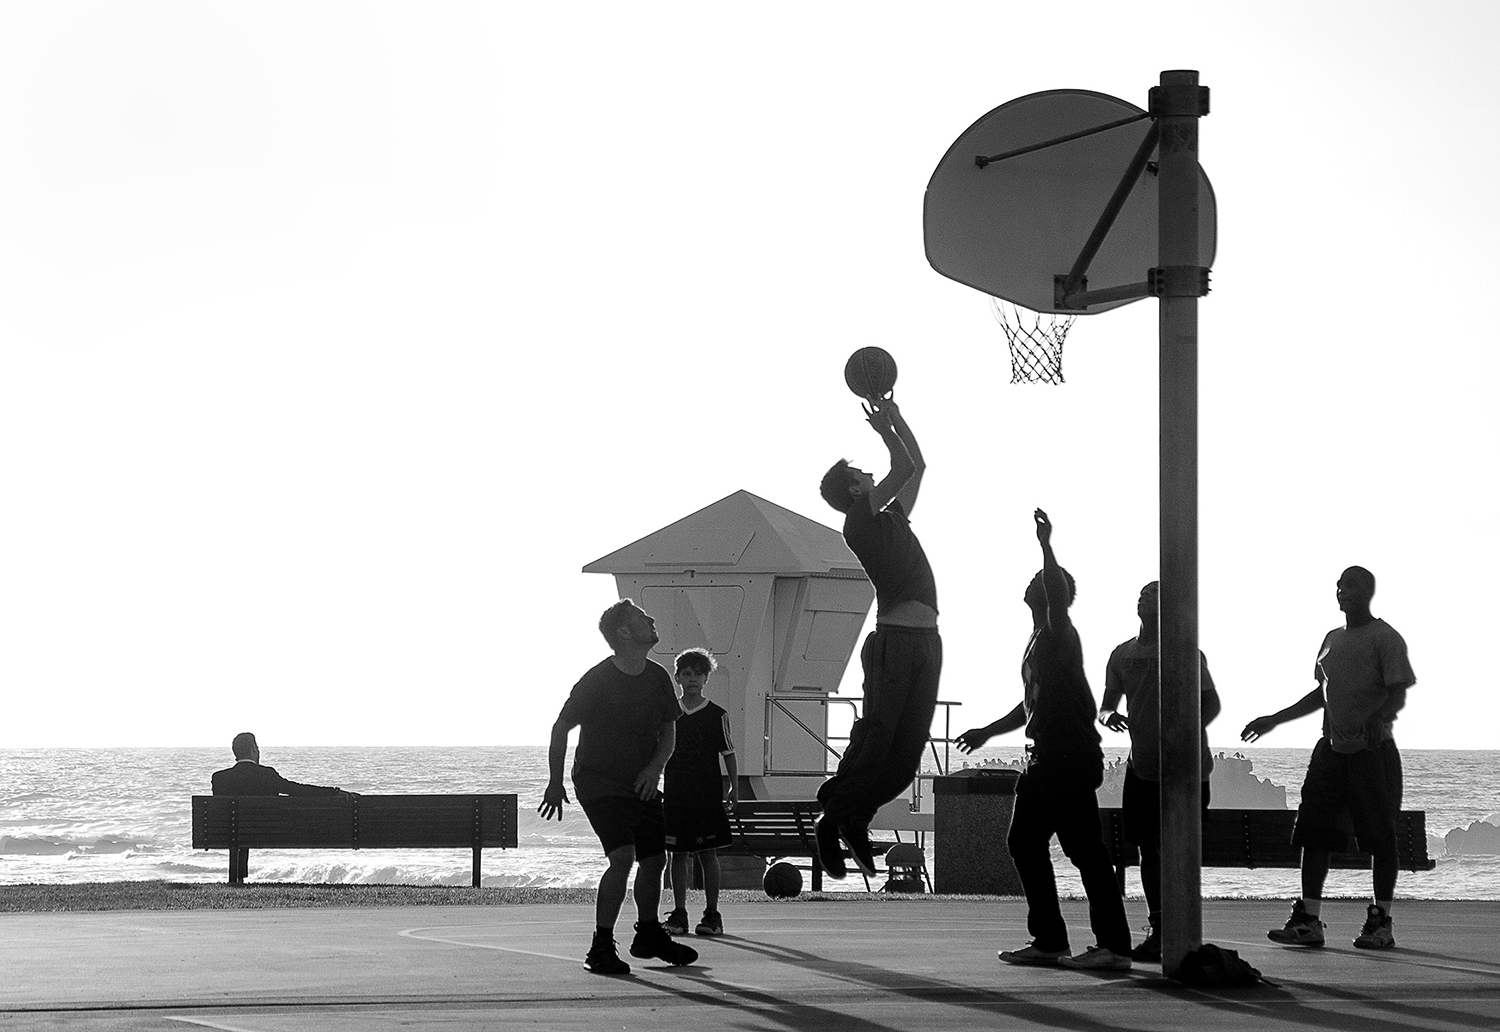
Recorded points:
(741, 533)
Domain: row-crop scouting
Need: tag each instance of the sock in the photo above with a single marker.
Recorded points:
(1312, 906)
(601, 932)
(1385, 905)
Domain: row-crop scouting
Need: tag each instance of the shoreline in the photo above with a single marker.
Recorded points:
(87, 897)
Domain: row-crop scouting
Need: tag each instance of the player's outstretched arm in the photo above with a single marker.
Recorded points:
(1309, 703)
(897, 482)
(1054, 583)
(976, 736)
(908, 493)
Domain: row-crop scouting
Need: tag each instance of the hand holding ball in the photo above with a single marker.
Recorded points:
(870, 372)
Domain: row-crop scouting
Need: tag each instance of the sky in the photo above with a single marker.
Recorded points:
(336, 338)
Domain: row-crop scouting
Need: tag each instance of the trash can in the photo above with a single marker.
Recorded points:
(971, 812)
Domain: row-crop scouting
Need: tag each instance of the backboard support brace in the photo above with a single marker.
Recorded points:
(1071, 291)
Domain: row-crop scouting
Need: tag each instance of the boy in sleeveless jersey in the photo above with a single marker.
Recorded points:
(695, 801)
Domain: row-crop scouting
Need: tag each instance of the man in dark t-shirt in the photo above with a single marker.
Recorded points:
(1057, 792)
(902, 658)
(626, 711)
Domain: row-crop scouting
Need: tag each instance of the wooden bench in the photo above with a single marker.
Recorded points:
(240, 823)
(774, 829)
(1263, 838)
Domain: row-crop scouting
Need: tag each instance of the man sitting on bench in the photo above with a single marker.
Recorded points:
(249, 777)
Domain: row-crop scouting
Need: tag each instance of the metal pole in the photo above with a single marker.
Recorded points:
(1176, 107)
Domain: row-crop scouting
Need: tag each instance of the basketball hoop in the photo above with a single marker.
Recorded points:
(1036, 341)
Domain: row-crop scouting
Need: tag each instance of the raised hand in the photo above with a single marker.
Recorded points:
(1043, 526)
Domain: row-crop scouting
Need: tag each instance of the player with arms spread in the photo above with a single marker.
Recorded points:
(1057, 792)
(1363, 674)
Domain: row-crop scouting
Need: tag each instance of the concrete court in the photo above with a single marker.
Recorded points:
(863, 964)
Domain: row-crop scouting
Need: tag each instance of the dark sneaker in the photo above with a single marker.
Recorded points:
(602, 958)
(653, 941)
(676, 923)
(830, 853)
(1377, 933)
(1302, 929)
(858, 841)
(712, 924)
(1096, 958)
(1032, 955)
(1149, 951)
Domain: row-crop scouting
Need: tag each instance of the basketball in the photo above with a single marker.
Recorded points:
(782, 881)
(870, 372)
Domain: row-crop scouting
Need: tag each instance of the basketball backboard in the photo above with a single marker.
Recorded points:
(1010, 227)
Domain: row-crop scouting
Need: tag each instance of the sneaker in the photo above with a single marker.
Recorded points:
(712, 924)
(676, 923)
(1097, 958)
(1377, 933)
(1033, 955)
(1302, 929)
(858, 841)
(652, 940)
(602, 958)
(1149, 951)
(830, 853)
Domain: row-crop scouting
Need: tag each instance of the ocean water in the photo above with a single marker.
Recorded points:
(87, 815)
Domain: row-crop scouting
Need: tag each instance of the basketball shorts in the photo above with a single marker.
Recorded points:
(696, 823)
(1350, 791)
(627, 820)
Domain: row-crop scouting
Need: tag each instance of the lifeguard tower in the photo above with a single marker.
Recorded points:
(780, 601)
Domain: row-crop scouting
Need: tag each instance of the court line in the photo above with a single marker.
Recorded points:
(415, 933)
(210, 1024)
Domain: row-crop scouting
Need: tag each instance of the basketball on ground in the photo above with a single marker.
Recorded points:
(870, 372)
(782, 881)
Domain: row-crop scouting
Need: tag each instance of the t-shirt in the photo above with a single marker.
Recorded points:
(891, 555)
(1059, 703)
(619, 719)
(1358, 666)
(693, 771)
(1134, 670)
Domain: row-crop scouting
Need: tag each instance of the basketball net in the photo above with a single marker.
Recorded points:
(1036, 341)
